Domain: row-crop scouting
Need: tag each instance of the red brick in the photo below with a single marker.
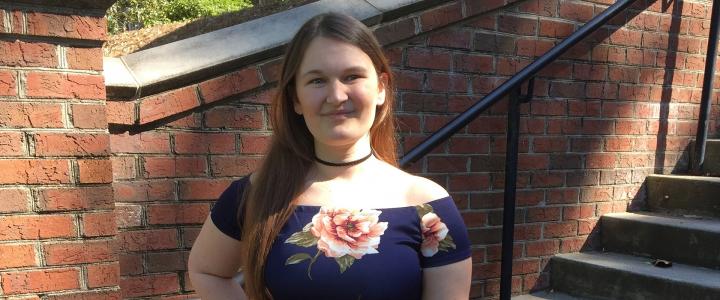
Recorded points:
(572, 244)
(233, 165)
(254, 144)
(576, 11)
(128, 215)
(14, 200)
(409, 80)
(550, 144)
(428, 59)
(202, 189)
(71, 144)
(123, 167)
(578, 212)
(596, 194)
(561, 229)
(533, 161)
(453, 83)
(474, 63)
(189, 235)
(85, 58)
(52, 199)
(77, 27)
(630, 127)
(99, 224)
(547, 179)
(17, 256)
(563, 195)
(142, 240)
(567, 89)
(441, 16)
(168, 104)
(154, 167)
(31, 115)
(131, 263)
(532, 47)
(146, 142)
(233, 117)
(539, 7)
(12, 144)
(120, 112)
(138, 286)
(469, 145)
(625, 37)
(34, 281)
(555, 29)
(451, 38)
(477, 7)
(542, 248)
(143, 191)
(622, 144)
(623, 74)
(543, 214)
(600, 160)
(34, 171)
(228, 85)
(517, 25)
(89, 116)
(167, 261)
(95, 171)
(78, 252)
(177, 213)
(24, 54)
(36, 227)
(60, 85)
(103, 275)
(586, 226)
(395, 31)
(8, 86)
(469, 182)
(203, 143)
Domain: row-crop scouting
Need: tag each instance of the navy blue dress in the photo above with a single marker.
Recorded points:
(338, 253)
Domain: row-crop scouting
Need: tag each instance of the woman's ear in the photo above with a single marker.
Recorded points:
(382, 87)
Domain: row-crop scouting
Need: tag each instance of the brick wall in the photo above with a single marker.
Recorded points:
(57, 225)
(603, 117)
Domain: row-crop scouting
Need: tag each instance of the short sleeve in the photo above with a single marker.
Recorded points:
(224, 213)
(445, 237)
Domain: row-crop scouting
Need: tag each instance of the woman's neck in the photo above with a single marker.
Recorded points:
(342, 154)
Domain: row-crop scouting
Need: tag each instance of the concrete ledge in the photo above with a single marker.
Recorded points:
(690, 195)
(616, 276)
(201, 57)
(680, 240)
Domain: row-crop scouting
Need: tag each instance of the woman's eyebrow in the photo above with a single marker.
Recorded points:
(348, 70)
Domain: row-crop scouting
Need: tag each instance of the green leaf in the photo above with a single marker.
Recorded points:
(447, 243)
(297, 258)
(302, 239)
(344, 262)
(307, 227)
(423, 209)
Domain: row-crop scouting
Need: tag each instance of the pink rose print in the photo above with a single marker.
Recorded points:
(343, 234)
(434, 232)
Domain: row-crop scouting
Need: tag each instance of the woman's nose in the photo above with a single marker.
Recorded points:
(337, 92)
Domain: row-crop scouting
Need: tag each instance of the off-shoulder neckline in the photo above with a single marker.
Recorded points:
(317, 207)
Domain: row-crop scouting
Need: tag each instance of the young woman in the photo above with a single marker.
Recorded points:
(329, 215)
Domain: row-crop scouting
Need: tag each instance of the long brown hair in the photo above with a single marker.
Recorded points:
(268, 203)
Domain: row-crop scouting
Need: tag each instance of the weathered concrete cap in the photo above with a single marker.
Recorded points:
(119, 76)
(222, 50)
(392, 9)
(83, 4)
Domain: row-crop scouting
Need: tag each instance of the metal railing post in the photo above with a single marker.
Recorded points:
(706, 97)
(511, 162)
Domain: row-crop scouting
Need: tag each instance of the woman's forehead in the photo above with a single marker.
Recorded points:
(330, 55)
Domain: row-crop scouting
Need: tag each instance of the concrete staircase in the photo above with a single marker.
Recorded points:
(681, 225)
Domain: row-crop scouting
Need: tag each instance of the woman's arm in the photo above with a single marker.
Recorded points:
(214, 260)
(448, 282)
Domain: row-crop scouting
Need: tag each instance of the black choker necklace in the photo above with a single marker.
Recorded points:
(344, 164)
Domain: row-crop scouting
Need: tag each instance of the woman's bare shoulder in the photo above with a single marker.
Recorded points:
(418, 189)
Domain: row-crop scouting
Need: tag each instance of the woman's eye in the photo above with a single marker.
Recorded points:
(315, 81)
(352, 77)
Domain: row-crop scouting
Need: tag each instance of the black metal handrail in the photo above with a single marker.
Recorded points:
(706, 97)
(511, 86)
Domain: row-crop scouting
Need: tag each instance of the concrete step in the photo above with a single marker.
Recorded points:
(684, 195)
(546, 295)
(680, 240)
(608, 275)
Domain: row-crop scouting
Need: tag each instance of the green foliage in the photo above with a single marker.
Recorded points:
(134, 14)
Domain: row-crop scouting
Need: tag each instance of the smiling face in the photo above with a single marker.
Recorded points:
(338, 91)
